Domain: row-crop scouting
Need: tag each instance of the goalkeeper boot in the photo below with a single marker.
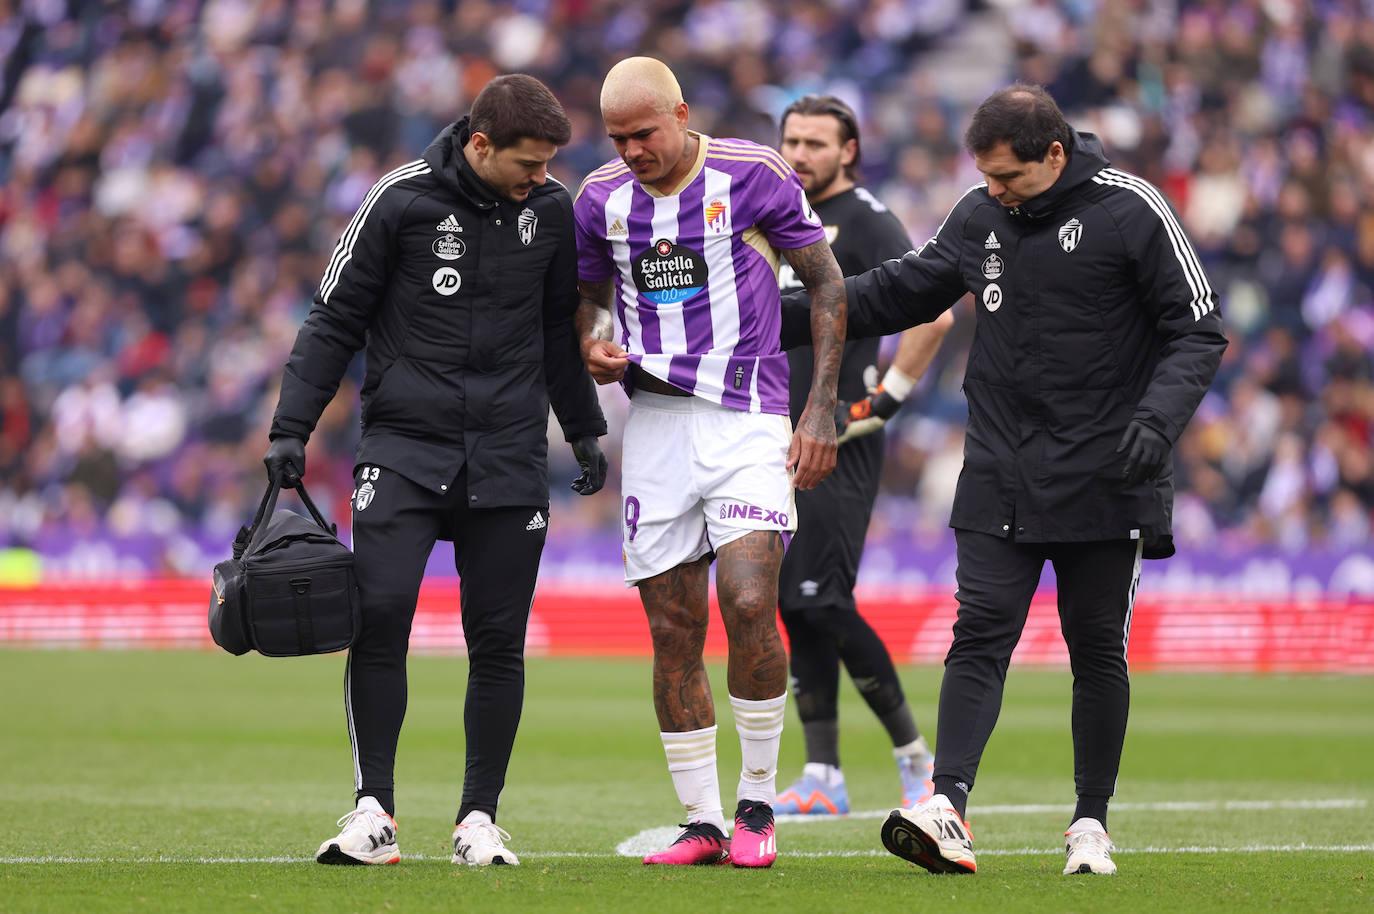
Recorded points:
(753, 842)
(367, 835)
(916, 773)
(932, 835)
(482, 843)
(699, 843)
(1089, 849)
(813, 794)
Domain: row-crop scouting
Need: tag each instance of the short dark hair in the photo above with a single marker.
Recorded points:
(513, 107)
(1024, 116)
(813, 104)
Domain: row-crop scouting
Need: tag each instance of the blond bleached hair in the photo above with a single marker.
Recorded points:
(640, 82)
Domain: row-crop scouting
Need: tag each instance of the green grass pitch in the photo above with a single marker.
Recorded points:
(189, 781)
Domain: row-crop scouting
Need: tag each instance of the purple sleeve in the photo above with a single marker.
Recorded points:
(594, 262)
(786, 218)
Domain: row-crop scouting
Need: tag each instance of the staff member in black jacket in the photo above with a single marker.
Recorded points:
(820, 140)
(459, 275)
(1097, 336)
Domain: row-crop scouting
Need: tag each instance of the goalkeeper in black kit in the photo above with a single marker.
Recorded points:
(820, 140)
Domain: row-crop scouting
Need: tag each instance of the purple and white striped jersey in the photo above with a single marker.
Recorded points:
(696, 290)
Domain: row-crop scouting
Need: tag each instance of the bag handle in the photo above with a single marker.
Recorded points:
(248, 536)
(333, 529)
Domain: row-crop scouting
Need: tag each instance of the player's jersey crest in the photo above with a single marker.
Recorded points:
(717, 219)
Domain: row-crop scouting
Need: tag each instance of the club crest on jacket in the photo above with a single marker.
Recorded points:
(526, 223)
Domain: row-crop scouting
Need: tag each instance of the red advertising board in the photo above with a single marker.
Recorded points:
(1201, 633)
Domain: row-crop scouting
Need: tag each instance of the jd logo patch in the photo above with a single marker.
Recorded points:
(669, 272)
(992, 296)
(446, 280)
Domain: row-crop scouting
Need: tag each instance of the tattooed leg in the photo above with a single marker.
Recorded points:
(676, 604)
(747, 585)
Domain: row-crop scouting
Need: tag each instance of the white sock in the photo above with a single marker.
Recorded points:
(692, 763)
(918, 746)
(370, 804)
(829, 775)
(477, 817)
(760, 735)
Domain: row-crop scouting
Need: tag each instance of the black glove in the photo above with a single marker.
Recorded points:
(1146, 452)
(285, 461)
(853, 420)
(593, 464)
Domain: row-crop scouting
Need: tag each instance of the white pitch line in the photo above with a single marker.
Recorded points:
(652, 839)
(994, 852)
(1043, 808)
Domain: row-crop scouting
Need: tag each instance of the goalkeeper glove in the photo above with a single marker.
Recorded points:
(853, 420)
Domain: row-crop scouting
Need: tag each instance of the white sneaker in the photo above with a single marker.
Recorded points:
(1089, 849)
(932, 835)
(367, 835)
(917, 773)
(480, 845)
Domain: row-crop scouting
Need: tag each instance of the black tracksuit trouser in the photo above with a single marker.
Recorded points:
(996, 579)
(496, 553)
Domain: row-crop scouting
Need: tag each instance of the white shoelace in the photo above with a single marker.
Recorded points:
(1091, 842)
(347, 818)
(501, 834)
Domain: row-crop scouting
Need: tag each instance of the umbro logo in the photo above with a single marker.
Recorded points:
(809, 588)
(992, 244)
(450, 224)
(617, 229)
(537, 522)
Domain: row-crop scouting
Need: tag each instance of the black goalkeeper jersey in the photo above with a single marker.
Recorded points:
(862, 233)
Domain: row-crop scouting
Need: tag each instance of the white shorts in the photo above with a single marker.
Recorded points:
(697, 475)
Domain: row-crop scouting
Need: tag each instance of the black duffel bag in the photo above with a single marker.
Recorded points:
(290, 588)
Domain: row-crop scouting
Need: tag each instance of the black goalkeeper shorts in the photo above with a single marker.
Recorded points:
(822, 561)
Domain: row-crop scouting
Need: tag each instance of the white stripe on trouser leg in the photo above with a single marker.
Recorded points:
(760, 734)
(692, 764)
(352, 730)
(1130, 598)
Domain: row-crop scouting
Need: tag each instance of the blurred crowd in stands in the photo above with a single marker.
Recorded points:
(175, 173)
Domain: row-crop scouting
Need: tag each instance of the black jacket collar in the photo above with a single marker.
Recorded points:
(1086, 158)
(445, 156)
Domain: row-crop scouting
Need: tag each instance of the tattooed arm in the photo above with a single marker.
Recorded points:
(605, 360)
(813, 445)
